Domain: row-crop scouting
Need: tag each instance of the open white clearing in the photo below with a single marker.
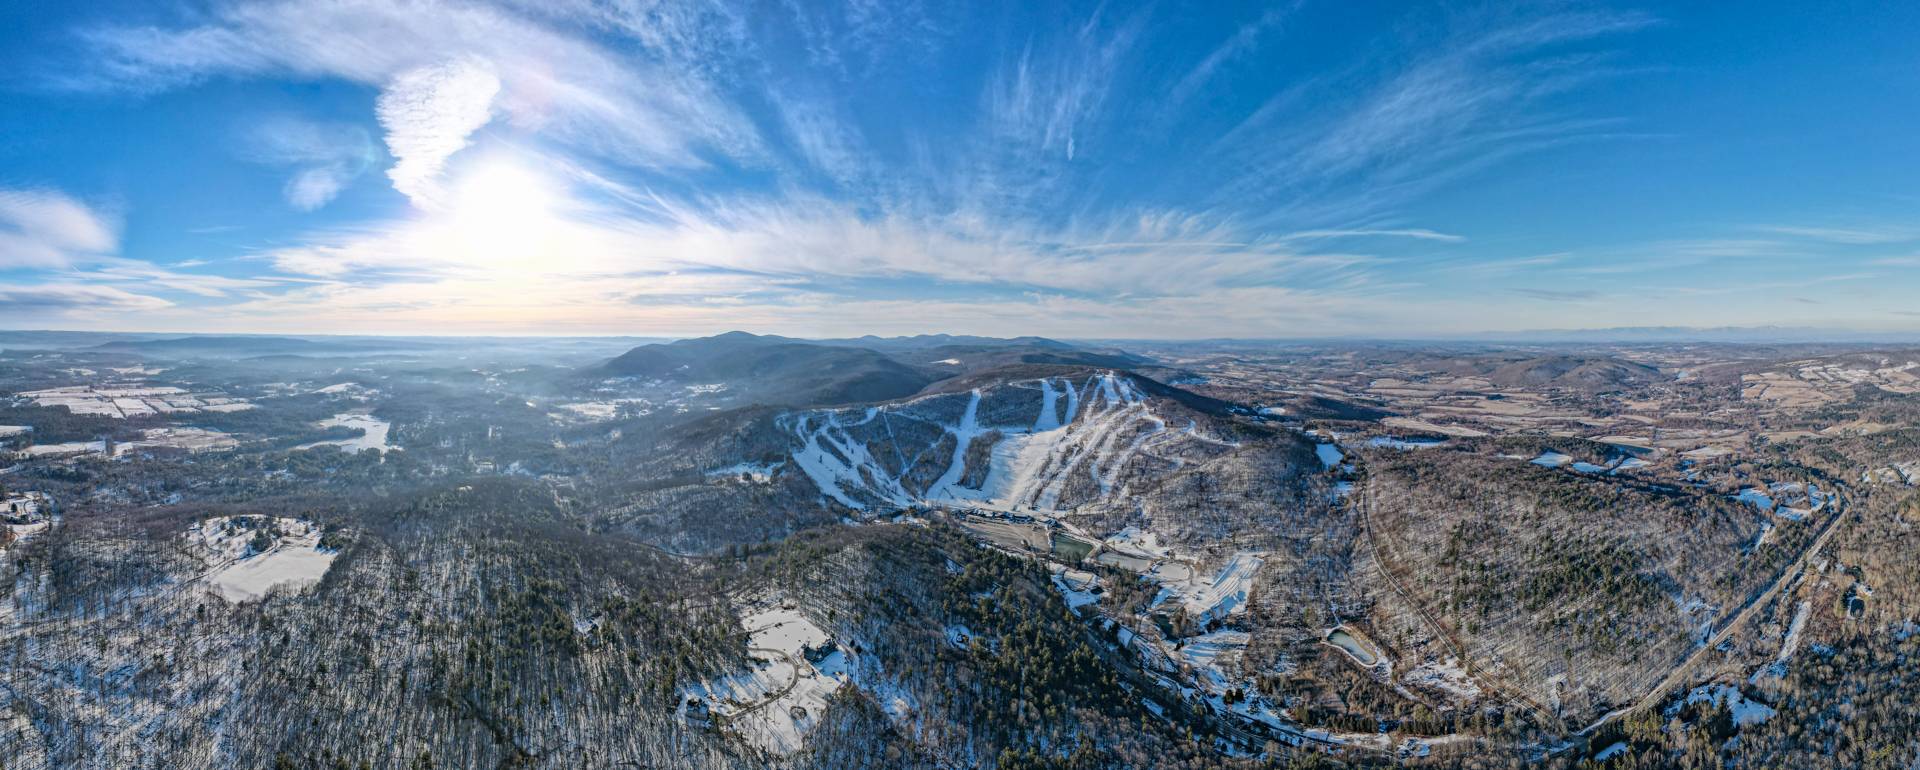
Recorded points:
(242, 573)
(781, 696)
(1207, 599)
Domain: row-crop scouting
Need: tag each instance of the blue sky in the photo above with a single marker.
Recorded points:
(1080, 170)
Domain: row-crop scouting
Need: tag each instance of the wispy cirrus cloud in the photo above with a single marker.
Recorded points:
(135, 273)
(1867, 235)
(1416, 234)
(551, 79)
(1046, 100)
(49, 229)
(1558, 295)
(1457, 106)
(66, 298)
(1237, 45)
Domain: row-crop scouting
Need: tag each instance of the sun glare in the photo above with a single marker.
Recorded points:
(501, 215)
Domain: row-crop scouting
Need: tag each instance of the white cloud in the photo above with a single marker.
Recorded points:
(147, 274)
(48, 229)
(1044, 105)
(515, 228)
(1423, 235)
(1348, 144)
(1243, 40)
(556, 81)
(428, 114)
(314, 187)
(1852, 236)
(326, 156)
(68, 298)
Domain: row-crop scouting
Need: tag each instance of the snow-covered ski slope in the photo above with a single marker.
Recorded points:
(1035, 445)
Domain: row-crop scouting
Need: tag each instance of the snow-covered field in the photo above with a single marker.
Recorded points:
(134, 400)
(1393, 442)
(1134, 540)
(1208, 598)
(68, 448)
(189, 439)
(1790, 500)
(240, 573)
(1755, 497)
(1213, 655)
(1076, 586)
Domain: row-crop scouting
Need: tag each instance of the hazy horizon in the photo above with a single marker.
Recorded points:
(1757, 335)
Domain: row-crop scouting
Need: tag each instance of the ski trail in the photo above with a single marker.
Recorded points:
(1048, 419)
(963, 436)
(1113, 468)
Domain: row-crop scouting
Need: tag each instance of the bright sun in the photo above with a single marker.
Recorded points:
(501, 215)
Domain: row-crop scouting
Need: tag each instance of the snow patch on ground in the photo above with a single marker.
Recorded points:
(1208, 599)
(1134, 539)
(1791, 644)
(240, 572)
(1745, 712)
(759, 472)
(1755, 497)
(1446, 676)
(782, 695)
(1076, 586)
(1551, 460)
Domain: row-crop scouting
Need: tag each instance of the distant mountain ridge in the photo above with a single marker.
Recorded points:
(773, 370)
(770, 369)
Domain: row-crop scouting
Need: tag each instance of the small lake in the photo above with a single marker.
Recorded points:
(1353, 646)
(374, 438)
(1071, 548)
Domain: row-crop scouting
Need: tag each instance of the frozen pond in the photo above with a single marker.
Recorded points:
(374, 438)
(1353, 646)
(1552, 459)
(1395, 442)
